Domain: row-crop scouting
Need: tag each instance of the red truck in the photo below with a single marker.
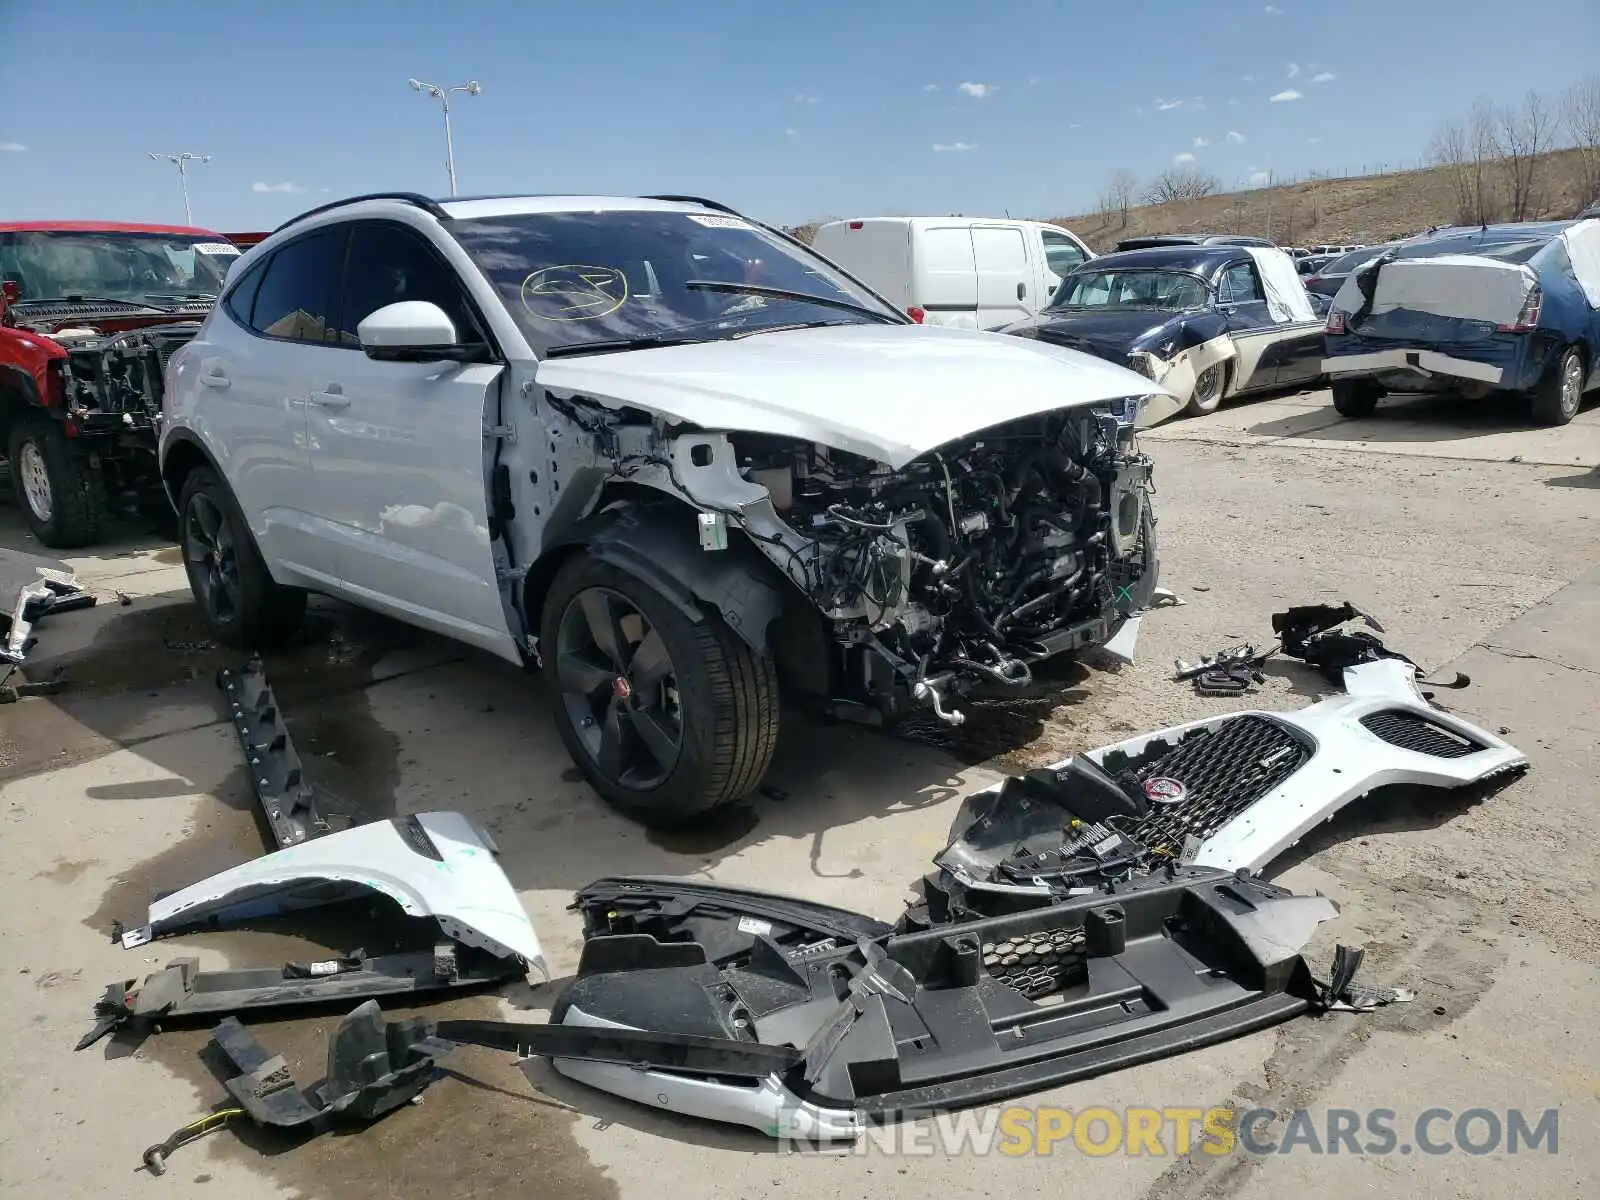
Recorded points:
(90, 311)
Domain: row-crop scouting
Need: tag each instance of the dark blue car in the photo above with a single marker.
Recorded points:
(1504, 309)
(1206, 322)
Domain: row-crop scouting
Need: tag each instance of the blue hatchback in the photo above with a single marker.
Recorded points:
(1511, 309)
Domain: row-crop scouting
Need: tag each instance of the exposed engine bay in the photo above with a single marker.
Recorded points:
(114, 380)
(965, 566)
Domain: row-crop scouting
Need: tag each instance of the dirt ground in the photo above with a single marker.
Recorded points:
(1475, 539)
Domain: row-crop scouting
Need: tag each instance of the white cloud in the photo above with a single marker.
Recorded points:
(258, 186)
(1286, 94)
(952, 147)
(1183, 158)
(1272, 10)
(791, 132)
(1323, 77)
(1249, 78)
(1201, 143)
(1314, 141)
(1035, 80)
(930, 87)
(804, 98)
(12, 147)
(1231, 103)
(1196, 104)
(1235, 136)
(978, 90)
(1074, 126)
(1294, 69)
(1166, 104)
(1260, 177)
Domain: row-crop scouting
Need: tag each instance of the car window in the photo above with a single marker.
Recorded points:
(388, 263)
(1176, 291)
(1061, 253)
(296, 297)
(241, 296)
(1239, 285)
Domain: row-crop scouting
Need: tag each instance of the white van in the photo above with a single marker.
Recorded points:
(968, 272)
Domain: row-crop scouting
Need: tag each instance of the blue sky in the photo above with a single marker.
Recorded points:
(792, 111)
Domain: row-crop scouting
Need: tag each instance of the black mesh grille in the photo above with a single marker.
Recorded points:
(1038, 964)
(1223, 771)
(1412, 731)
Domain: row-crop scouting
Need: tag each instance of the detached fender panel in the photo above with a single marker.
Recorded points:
(658, 544)
(435, 864)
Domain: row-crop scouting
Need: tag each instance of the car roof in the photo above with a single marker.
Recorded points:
(1495, 235)
(1201, 259)
(103, 227)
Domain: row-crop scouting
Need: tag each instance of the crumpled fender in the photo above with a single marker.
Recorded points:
(1203, 342)
(658, 545)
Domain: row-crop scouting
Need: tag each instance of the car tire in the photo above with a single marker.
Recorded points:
(241, 604)
(59, 491)
(1355, 398)
(1206, 396)
(617, 713)
(1559, 395)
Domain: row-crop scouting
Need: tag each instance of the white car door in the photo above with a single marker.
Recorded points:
(250, 383)
(1001, 256)
(397, 453)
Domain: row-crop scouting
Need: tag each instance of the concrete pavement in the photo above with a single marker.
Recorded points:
(129, 785)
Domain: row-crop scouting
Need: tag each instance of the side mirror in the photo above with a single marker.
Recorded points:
(413, 331)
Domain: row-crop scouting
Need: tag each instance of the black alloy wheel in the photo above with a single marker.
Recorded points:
(619, 687)
(213, 560)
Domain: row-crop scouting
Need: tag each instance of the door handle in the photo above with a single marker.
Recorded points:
(333, 397)
(214, 378)
(1022, 290)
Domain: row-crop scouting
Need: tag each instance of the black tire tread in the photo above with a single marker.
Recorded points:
(77, 491)
(1355, 398)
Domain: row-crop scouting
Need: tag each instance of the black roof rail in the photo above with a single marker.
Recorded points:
(702, 201)
(426, 203)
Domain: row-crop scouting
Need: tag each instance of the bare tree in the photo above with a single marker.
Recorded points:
(1181, 183)
(1124, 183)
(1525, 135)
(1484, 142)
(1451, 150)
(1580, 109)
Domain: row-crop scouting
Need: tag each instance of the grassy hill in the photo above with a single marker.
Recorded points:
(1368, 208)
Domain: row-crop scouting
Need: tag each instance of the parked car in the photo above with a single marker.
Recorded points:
(1153, 240)
(90, 311)
(1308, 264)
(1206, 322)
(245, 240)
(660, 449)
(967, 272)
(1330, 276)
(1510, 309)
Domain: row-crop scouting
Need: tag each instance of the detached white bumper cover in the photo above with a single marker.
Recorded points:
(1429, 361)
(767, 1106)
(435, 864)
(1468, 287)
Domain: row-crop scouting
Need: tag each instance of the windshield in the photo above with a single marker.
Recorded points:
(138, 268)
(575, 279)
(1175, 291)
(1519, 250)
(1343, 266)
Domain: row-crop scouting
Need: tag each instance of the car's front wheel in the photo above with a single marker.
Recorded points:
(240, 602)
(1207, 393)
(60, 494)
(1560, 393)
(1355, 397)
(666, 716)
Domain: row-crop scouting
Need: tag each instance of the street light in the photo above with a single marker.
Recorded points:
(182, 162)
(442, 95)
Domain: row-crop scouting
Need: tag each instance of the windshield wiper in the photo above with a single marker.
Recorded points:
(761, 289)
(75, 298)
(181, 296)
(611, 345)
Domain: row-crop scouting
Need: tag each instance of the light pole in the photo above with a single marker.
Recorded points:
(182, 162)
(442, 95)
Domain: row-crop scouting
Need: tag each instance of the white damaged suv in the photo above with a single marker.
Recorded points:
(663, 451)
